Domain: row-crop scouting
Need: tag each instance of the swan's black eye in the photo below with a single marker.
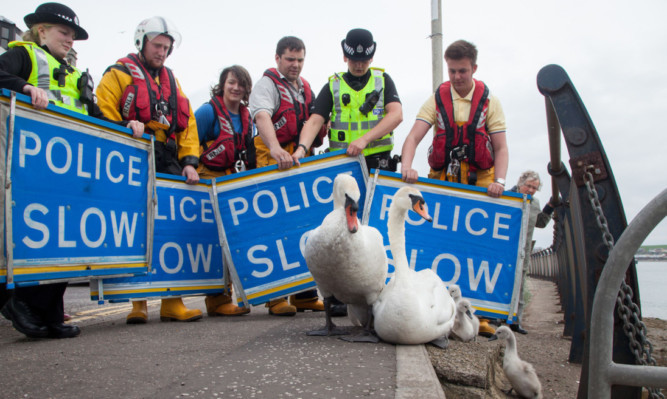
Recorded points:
(417, 200)
(349, 202)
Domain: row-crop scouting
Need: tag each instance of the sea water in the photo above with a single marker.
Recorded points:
(652, 277)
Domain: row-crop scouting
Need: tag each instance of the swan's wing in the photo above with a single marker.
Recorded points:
(526, 367)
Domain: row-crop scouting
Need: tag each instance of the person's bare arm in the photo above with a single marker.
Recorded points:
(500, 163)
(416, 135)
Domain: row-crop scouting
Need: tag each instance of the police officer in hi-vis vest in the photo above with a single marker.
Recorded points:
(37, 67)
(363, 108)
(362, 105)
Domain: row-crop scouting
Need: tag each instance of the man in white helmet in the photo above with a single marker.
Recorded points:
(140, 87)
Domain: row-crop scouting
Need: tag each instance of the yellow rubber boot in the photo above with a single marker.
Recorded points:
(221, 305)
(280, 307)
(485, 329)
(173, 309)
(301, 305)
(139, 313)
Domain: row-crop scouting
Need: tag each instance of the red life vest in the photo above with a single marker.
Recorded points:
(229, 147)
(291, 114)
(471, 140)
(142, 99)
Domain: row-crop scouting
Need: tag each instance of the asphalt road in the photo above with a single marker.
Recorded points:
(252, 356)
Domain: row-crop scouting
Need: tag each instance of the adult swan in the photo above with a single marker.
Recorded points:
(414, 307)
(347, 259)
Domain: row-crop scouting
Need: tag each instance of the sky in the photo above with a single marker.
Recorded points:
(614, 52)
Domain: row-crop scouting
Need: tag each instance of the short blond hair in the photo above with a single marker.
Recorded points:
(32, 34)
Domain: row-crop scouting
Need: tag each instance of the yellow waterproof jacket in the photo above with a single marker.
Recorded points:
(109, 92)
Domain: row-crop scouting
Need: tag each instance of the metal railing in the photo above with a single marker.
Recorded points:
(603, 372)
(588, 217)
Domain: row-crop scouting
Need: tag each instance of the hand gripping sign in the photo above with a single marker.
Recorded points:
(474, 240)
(186, 258)
(266, 215)
(76, 194)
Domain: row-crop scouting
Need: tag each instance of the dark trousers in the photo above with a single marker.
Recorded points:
(45, 300)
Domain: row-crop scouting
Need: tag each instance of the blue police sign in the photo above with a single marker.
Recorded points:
(187, 256)
(77, 205)
(267, 214)
(473, 241)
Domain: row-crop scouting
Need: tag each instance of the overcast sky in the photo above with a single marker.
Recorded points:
(614, 52)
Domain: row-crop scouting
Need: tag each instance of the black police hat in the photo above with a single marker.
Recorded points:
(359, 45)
(56, 13)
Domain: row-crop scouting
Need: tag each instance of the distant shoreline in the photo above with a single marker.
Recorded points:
(651, 258)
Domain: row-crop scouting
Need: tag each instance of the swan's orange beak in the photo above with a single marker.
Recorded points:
(419, 206)
(351, 208)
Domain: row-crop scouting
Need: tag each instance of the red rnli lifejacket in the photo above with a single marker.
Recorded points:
(291, 114)
(140, 100)
(230, 146)
(471, 138)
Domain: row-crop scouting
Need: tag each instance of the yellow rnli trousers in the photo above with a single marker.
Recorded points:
(263, 154)
(484, 177)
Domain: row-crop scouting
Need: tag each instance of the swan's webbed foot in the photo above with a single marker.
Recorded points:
(363, 337)
(441, 343)
(367, 335)
(330, 328)
(326, 332)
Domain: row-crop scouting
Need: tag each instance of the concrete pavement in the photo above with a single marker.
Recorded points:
(253, 356)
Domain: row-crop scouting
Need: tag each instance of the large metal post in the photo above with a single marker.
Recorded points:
(436, 42)
(589, 162)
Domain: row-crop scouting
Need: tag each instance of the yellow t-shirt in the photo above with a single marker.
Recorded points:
(495, 118)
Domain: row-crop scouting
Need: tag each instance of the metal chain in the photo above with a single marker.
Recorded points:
(626, 308)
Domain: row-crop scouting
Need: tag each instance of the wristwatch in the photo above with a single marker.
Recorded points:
(500, 181)
(305, 150)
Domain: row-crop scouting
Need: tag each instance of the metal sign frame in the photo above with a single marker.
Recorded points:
(430, 187)
(324, 165)
(38, 271)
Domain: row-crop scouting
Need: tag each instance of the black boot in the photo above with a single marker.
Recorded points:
(62, 330)
(518, 328)
(338, 308)
(23, 319)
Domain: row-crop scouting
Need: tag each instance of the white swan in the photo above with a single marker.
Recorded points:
(520, 374)
(466, 324)
(414, 307)
(347, 259)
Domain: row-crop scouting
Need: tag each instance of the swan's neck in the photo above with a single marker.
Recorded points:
(396, 231)
(510, 347)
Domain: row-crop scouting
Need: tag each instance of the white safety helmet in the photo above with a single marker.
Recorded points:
(155, 26)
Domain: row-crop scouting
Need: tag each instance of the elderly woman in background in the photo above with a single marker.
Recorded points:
(529, 183)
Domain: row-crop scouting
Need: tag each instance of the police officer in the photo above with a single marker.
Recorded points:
(362, 105)
(37, 311)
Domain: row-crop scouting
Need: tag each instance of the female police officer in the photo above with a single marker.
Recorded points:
(37, 311)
